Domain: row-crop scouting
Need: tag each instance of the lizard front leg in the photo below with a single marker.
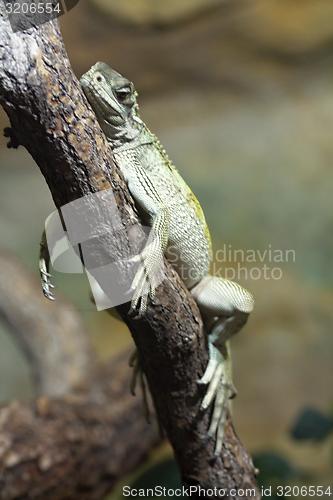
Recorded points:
(146, 278)
(225, 307)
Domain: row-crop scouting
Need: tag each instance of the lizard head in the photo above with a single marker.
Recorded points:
(113, 99)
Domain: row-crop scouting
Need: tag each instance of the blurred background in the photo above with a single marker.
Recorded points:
(240, 94)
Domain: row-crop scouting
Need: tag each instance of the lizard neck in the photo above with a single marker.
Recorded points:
(131, 138)
(123, 134)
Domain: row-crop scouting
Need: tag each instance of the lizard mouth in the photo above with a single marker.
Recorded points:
(114, 120)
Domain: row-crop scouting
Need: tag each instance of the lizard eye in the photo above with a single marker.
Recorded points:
(99, 77)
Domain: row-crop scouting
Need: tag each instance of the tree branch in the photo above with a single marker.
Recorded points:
(52, 120)
(51, 335)
(80, 445)
(76, 447)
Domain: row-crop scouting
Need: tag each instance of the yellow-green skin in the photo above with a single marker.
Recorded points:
(188, 248)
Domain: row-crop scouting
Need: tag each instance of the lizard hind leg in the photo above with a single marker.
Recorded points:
(225, 307)
(134, 363)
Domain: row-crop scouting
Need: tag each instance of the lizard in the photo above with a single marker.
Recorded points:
(178, 226)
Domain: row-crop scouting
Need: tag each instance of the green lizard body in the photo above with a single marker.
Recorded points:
(186, 221)
(168, 206)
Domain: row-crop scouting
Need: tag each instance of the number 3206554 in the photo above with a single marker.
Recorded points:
(33, 8)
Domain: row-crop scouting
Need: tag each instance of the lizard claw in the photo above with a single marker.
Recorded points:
(47, 285)
(48, 295)
(144, 287)
(220, 390)
(146, 279)
(45, 273)
(47, 290)
(139, 305)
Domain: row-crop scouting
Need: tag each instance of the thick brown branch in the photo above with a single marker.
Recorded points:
(74, 447)
(51, 119)
(79, 445)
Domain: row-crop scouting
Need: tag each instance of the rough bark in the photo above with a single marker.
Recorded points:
(75, 447)
(78, 445)
(52, 120)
